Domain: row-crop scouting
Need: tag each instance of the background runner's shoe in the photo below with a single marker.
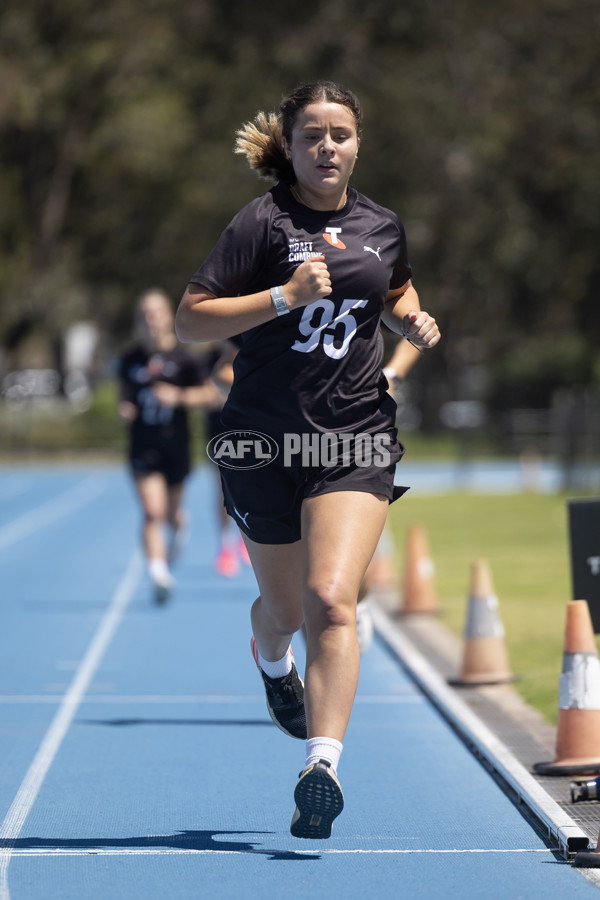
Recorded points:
(285, 700)
(319, 800)
(162, 592)
(227, 563)
(163, 585)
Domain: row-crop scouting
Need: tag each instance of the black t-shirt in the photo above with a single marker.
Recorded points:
(139, 370)
(317, 368)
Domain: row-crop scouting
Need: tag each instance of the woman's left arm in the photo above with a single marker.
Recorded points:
(402, 314)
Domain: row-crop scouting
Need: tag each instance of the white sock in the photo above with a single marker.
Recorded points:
(323, 748)
(159, 572)
(279, 668)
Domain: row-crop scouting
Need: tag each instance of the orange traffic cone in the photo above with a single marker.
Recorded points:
(578, 727)
(588, 859)
(485, 660)
(419, 594)
(382, 574)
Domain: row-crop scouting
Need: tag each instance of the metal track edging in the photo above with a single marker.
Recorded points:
(481, 740)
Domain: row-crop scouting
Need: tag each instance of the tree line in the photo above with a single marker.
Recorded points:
(481, 131)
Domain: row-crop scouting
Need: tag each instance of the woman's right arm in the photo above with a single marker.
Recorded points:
(202, 316)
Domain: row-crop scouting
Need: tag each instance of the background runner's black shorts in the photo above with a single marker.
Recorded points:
(171, 460)
(266, 502)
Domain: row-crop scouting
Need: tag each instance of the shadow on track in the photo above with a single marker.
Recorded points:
(209, 722)
(184, 840)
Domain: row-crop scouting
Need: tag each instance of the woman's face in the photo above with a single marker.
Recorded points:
(154, 317)
(323, 148)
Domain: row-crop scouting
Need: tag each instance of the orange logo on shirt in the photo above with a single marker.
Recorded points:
(331, 236)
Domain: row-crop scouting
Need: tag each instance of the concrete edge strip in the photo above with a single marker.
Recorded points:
(480, 739)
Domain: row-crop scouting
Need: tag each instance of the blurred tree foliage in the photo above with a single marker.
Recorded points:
(481, 130)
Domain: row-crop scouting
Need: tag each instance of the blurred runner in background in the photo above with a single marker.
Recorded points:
(159, 381)
(232, 550)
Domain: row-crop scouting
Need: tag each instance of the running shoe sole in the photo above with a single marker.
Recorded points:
(319, 800)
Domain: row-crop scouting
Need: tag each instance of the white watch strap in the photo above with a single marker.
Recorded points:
(278, 300)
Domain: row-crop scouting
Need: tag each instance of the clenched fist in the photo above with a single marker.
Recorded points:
(421, 329)
(310, 282)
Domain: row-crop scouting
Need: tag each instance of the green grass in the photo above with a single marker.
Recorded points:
(524, 538)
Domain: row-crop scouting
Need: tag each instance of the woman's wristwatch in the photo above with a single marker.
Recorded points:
(278, 300)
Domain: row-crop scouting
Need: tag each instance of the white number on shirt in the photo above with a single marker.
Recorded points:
(319, 322)
(153, 412)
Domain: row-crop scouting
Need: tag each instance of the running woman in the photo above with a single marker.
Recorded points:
(304, 274)
(159, 380)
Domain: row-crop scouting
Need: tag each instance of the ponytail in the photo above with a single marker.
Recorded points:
(261, 143)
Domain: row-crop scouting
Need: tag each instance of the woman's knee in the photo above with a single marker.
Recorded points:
(329, 606)
(153, 515)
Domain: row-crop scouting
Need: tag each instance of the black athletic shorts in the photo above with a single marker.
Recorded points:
(171, 460)
(266, 502)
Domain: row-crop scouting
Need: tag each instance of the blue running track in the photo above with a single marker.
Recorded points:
(137, 758)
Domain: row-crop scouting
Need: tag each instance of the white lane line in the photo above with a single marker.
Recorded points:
(173, 851)
(31, 784)
(196, 699)
(50, 511)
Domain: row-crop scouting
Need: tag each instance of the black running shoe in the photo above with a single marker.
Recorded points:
(161, 594)
(285, 700)
(319, 800)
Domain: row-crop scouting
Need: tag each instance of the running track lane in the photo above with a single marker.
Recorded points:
(138, 759)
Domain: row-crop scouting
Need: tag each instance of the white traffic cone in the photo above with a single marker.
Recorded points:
(578, 727)
(485, 660)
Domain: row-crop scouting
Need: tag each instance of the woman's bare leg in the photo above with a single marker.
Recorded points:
(153, 494)
(277, 613)
(340, 533)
